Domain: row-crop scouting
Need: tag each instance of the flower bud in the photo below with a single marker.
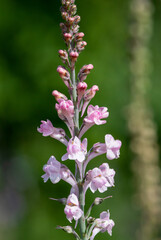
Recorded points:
(81, 45)
(63, 55)
(59, 95)
(67, 229)
(73, 9)
(65, 15)
(75, 29)
(73, 56)
(89, 94)
(84, 71)
(63, 27)
(90, 220)
(98, 201)
(79, 36)
(67, 37)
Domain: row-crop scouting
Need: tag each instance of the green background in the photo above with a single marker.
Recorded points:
(29, 42)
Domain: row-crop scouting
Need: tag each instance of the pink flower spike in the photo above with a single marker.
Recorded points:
(112, 147)
(76, 150)
(89, 94)
(59, 96)
(104, 223)
(47, 129)
(72, 209)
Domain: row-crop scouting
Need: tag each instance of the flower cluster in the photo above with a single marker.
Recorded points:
(69, 110)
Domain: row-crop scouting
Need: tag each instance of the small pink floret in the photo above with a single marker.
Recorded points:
(76, 150)
(95, 114)
(112, 146)
(72, 209)
(46, 128)
(104, 223)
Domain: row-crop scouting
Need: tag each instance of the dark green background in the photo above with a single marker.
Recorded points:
(29, 42)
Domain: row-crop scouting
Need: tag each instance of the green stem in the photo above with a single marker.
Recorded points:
(76, 110)
(82, 221)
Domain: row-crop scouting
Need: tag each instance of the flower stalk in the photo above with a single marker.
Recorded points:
(100, 178)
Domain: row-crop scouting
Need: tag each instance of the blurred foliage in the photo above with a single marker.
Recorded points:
(29, 42)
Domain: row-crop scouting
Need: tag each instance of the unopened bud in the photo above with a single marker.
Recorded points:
(84, 71)
(77, 19)
(65, 15)
(90, 220)
(63, 27)
(81, 45)
(59, 95)
(67, 229)
(71, 20)
(98, 201)
(67, 37)
(73, 9)
(63, 55)
(73, 56)
(89, 94)
(75, 29)
(79, 36)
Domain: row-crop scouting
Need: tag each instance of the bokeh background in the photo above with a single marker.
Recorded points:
(29, 42)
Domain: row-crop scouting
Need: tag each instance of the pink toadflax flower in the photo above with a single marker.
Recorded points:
(112, 147)
(94, 116)
(76, 150)
(100, 178)
(47, 129)
(72, 209)
(103, 224)
(65, 111)
(57, 171)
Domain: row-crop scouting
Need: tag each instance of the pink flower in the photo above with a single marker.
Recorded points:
(100, 178)
(94, 116)
(52, 170)
(57, 171)
(76, 150)
(72, 209)
(108, 173)
(97, 180)
(104, 223)
(112, 147)
(47, 129)
(65, 111)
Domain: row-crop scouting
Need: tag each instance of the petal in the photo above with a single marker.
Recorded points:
(95, 231)
(64, 157)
